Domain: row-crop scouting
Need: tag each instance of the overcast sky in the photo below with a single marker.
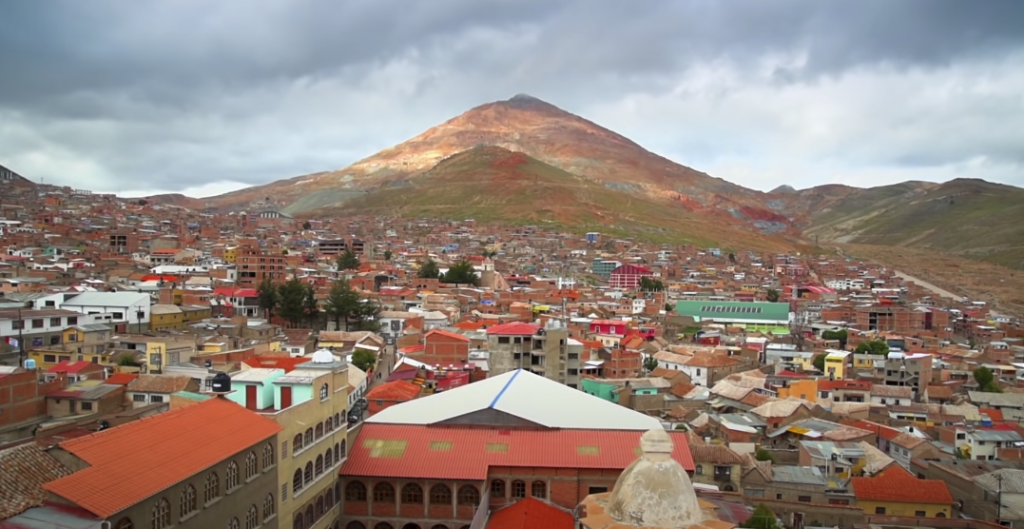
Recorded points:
(203, 97)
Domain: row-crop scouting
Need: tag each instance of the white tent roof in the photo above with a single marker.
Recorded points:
(525, 395)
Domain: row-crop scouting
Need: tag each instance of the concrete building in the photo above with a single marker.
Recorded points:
(913, 370)
(130, 311)
(545, 351)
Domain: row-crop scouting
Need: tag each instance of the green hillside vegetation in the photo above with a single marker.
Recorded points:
(971, 218)
(495, 185)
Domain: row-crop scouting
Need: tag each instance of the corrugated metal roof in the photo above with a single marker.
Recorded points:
(525, 395)
(425, 452)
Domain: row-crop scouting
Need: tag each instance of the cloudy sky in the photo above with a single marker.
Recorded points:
(204, 97)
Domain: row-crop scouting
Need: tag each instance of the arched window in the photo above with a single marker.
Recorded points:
(329, 499)
(329, 458)
(161, 514)
(539, 489)
(411, 525)
(124, 523)
(319, 465)
(355, 491)
(308, 474)
(319, 507)
(268, 456)
(355, 525)
(337, 420)
(308, 438)
(233, 523)
(518, 489)
(252, 518)
(440, 495)
(440, 526)
(412, 493)
(940, 515)
(310, 519)
(468, 495)
(324, 392)
(211, 490)
(383, 492)
(299, 522)
(341, 450)
(297, 444)
(269, 507)
(296, 481)
(232, 480)
(319, 430)
(498, 488)
(188, 501)
(251, 469)
(329, 424)
(383, 525)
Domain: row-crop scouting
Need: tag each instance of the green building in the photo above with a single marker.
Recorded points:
(604, 268)
(760, 316)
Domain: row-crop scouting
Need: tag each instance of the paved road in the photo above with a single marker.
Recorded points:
(927, 285)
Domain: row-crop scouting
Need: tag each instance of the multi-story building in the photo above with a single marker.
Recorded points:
(32, 329)
(130, 311)
(210, 464)
(254, 266)
(914, 370)
(310, 402)
(545, 351)
(435, 461)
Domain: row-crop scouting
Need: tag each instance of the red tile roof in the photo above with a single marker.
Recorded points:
(446, 334)
(516, 328)
(287, 363)
(530, 513)
(425, 452)
(134, 461)
(399, 390)
(121, 379)
(26, 469)
(73, 367)
(994, 415)
(896, 485)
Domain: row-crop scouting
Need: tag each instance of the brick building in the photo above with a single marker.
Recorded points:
(433, 462)
(444, 348)
(23, 401)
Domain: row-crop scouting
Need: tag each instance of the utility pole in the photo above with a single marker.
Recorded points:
(999, 498)
(21, 340)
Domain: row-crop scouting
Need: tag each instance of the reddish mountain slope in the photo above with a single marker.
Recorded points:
(542, 131)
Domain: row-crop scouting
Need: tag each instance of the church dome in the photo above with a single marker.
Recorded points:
(323, 356)
(655, 490)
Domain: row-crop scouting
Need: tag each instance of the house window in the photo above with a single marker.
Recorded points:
(440, 495)
(54, 340)
(18, 325)
(269, 508)
(252, 518)
(383, 493)
(468, 495)
(324, 393)
(597, 490)
(250, 466)
(879, 510)
(355, 491)
(156, 398)
(698, 470)
(50, 359)
(73, 320)
(55, 322)
(86, 406)
(920, 514)
(138, 397)
(498, 488)
(188, 500)
(161, 514)
(518, 489)
(412, 493)
(539, 489)
(211, 489)
(268, 454)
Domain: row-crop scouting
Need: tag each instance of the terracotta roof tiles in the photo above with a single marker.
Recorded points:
(25, 469)
(174, 446)
(896, 485)
(399, 390)
(530, 513)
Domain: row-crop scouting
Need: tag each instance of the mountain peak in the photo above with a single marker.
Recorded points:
(526, 101)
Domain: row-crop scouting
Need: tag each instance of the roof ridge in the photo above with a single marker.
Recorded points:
(132, 425)
(504, 388)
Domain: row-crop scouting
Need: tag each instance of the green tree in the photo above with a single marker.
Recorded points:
(772, 295)
(267, 297)
(986, 380)
(292, 297)
(669, 307)
(388, 255)
(311, 304)
(367, 315)
(429, 270)
(732, 257)
(762, 518)
(348, 261)
(487, 254)
(819, 363)
(364, 359)
(841, 335)
(648, 284)
(650, 364)
(763, 455)
(462, 273)
(307, 226)
(341, 303)
(873, 347)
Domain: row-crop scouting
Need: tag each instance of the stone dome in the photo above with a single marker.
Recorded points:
(323, 356)
(655, 490)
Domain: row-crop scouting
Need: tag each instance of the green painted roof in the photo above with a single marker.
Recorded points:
(734, 310)
(192, 396)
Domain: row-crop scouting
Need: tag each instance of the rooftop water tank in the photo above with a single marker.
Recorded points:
(221, 383)
(30, 363)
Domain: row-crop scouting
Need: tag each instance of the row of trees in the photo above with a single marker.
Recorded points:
(296, 301)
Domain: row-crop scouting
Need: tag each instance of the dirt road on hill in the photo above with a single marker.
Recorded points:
(927, 285)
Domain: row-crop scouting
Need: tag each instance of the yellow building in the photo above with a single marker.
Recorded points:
(165, 317)
(231, 254)
(806, 389)
(896, 492)
(311, 403)
(88, 343)
(837, 363)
